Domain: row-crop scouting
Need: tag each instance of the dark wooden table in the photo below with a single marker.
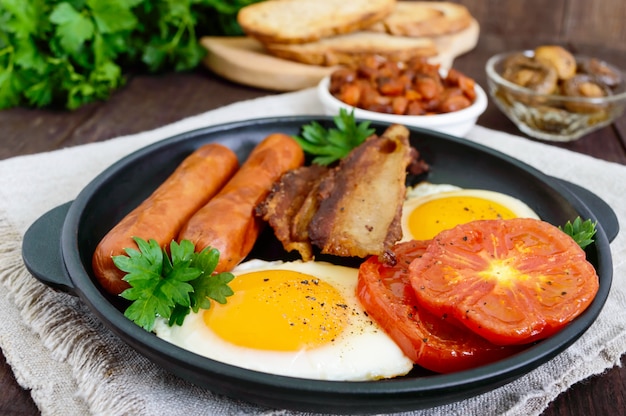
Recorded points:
(151, 101)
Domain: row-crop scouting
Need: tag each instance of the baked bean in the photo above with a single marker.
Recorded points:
(351, 94)
(415, 108)
(341, 77)
(454, 103)
(399, 105)
(414, 87)
(464, 82)
(391, 86)
(428, 87)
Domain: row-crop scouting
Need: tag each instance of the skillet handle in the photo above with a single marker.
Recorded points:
(41, 250)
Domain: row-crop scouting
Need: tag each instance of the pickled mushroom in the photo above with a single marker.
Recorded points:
(587, 86)
(530, 73)
(560, 59)
(611, 77)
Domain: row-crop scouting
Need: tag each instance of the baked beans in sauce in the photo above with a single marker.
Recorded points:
(414, 88)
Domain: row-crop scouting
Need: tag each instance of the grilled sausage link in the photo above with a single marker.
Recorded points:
(160, 217)
(227, 222)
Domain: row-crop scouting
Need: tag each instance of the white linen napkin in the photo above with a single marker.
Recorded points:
(73, 365)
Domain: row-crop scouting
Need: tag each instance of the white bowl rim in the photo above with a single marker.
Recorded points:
(495, 77)
(457, 117)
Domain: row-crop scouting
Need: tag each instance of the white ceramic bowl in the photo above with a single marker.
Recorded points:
(457, 123)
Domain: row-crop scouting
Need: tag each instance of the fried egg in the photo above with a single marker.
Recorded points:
(299, 319)
(431, 208)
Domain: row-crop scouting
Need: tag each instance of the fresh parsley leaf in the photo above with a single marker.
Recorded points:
(333, 144)
(9, 89)
(581, 231)
(205, 287)
(112, 16)
(21, 17)
(72, 27)
(39, 93)
(209, 286)
(169, 286)
(67, 53)
(142, 264)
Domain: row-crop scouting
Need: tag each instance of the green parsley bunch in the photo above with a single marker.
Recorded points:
(170, 286)
(66, 53)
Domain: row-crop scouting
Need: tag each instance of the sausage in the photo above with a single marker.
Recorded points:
(228, 222)
(160, 217)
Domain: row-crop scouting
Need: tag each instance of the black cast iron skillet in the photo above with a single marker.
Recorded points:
(58, 248)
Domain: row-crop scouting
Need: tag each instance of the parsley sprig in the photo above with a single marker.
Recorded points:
(330, 145)
(170, 287)
(66, 53)
(581, 231)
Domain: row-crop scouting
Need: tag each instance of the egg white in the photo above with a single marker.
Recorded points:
(426, 191)
(362, 351)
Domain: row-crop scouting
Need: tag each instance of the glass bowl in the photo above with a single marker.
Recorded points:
(551, 117)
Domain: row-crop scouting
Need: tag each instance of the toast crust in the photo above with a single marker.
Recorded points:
(350, 48)
(425, 18)
(302, 21)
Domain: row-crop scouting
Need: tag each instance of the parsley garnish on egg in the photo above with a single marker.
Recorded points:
(169, 286)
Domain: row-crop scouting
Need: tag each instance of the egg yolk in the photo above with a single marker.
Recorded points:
(434, 216)
(279, 310)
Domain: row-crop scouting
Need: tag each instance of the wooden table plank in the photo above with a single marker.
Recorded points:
(145, 103)
(560, 21)
(14, 400)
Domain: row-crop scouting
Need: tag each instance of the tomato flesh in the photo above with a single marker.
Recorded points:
(430, 341)
(510, 281)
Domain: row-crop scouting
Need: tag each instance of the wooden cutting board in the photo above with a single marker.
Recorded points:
(243, 60)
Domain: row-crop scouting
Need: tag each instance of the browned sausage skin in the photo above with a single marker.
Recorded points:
(197, 179)
(227, 222)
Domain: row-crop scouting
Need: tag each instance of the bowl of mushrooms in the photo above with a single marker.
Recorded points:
(551, 94)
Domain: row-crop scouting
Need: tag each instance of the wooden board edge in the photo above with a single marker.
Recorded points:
(243, 60)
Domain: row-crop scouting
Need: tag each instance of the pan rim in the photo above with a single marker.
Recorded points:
(409, 393)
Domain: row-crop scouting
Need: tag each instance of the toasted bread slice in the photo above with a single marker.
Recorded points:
(425, 18)
(350, 48)
(300, 21)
